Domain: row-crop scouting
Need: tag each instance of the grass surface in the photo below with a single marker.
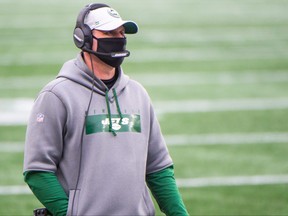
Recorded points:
(185, 50)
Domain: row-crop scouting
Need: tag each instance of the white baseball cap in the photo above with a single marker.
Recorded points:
(107, 19)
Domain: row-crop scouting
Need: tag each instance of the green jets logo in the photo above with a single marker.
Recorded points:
(113, 13)
(100, 123)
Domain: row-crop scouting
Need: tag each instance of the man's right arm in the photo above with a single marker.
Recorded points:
(48, 191)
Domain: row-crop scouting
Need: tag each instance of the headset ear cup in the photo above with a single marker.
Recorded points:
(82, 34)
(83, 37)
(79, 38)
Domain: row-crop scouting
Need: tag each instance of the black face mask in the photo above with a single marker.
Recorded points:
(111, 50)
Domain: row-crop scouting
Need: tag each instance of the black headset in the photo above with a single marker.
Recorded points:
(82, 33)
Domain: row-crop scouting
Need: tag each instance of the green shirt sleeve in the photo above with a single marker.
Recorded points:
(48, 191)
(165, 191)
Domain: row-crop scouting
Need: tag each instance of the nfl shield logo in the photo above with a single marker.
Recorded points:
(40, 117)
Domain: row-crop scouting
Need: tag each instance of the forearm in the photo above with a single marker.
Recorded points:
(48, 191)
(164, 189)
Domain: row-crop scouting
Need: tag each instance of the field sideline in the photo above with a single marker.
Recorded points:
(217, 74)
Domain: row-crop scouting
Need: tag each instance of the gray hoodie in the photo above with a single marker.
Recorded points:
(100, 143)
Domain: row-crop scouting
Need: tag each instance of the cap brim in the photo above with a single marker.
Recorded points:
(130, 27)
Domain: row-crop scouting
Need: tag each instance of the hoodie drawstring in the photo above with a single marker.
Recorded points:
(109, 110)
(117, 104)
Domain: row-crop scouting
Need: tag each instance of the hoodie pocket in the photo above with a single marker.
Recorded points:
(73, 202)
(148, 203)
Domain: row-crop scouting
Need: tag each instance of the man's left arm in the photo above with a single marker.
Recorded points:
(165, 191)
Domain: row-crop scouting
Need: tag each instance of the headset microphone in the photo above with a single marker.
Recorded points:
(122, 54)
(125, 53)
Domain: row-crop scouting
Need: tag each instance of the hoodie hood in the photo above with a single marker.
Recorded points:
(82, 75)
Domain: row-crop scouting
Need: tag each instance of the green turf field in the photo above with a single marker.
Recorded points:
(217, 73)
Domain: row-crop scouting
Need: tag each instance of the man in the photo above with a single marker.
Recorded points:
(93, 140)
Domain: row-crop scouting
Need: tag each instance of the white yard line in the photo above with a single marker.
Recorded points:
(220, 12)
(220, 105)
(11, 147)
(153, 55)
(20, 82)
(15, 190)
(210, 54)
(16, 111)
(232, 181)
(212, 35)
(227, 139)
(186, 183)
(210, 78)
(172, 79)
(194, 140)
